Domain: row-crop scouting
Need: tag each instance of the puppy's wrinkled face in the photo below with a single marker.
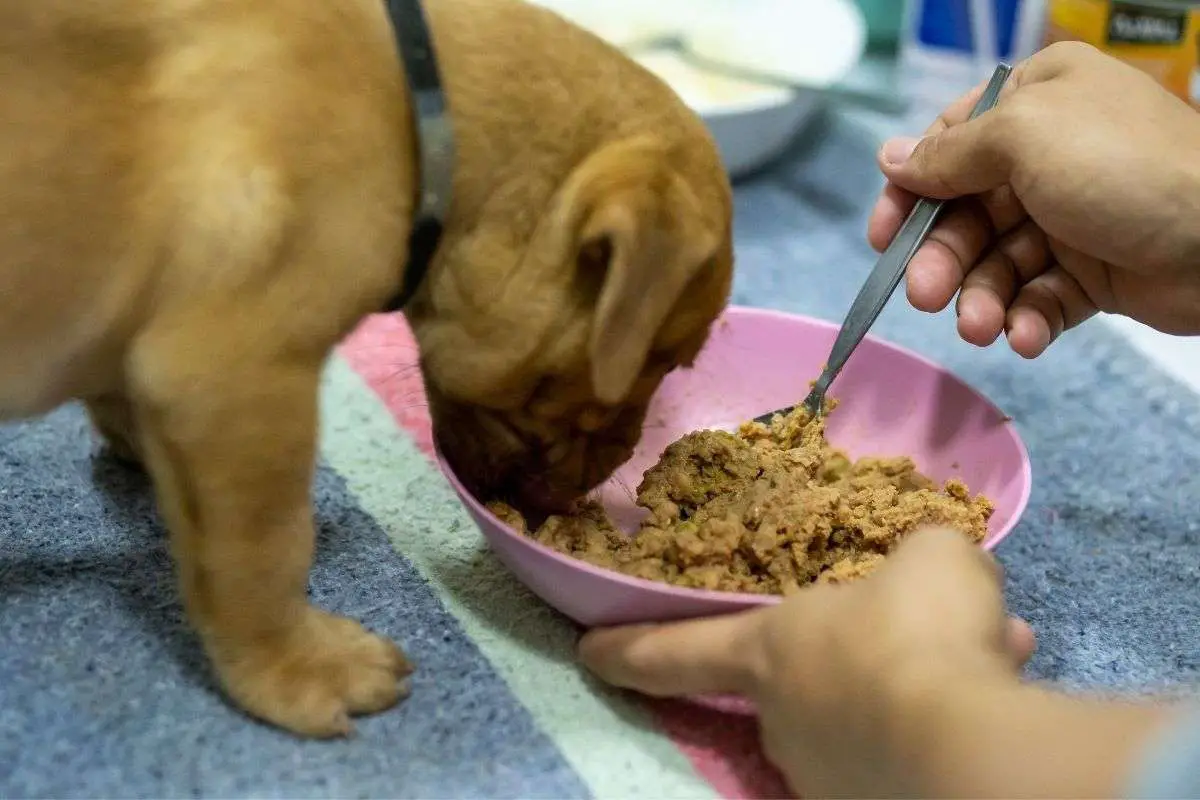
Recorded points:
(541, 351)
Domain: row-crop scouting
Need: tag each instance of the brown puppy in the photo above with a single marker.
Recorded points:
(588, 252)
(201, 197)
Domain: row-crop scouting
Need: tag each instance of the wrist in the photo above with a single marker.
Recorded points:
(1001, 737)
(941, 723)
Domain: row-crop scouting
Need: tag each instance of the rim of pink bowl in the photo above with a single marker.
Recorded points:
(644, 584)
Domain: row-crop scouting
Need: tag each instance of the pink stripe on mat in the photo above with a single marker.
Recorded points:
(722, 747)
(383, 351)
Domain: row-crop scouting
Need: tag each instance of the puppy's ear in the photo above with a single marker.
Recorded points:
(641, 235)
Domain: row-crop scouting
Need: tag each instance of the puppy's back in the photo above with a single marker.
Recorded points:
(153, 149)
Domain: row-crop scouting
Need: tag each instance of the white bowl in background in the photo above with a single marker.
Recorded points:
(814, 43)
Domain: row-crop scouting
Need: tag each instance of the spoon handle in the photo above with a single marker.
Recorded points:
(889, 270)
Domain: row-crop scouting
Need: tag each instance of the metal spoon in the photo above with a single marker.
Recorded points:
(886, 275)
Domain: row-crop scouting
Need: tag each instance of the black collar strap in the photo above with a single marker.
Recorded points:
(435, 141)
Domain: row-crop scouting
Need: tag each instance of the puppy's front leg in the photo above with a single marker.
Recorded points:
(230, 442)
(112, 416)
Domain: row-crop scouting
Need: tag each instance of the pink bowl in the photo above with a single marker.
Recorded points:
(894, 402)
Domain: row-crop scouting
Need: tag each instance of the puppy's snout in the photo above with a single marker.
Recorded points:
(551, 486)
(537, 495)
(538, 464)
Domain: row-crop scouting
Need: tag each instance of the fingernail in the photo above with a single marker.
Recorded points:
(897, 151)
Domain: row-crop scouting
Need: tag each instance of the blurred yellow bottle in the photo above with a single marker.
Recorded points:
(1159, 37)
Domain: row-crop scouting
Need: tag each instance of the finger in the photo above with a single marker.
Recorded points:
(957, 155)
(898, 149)
(895, 203)
(895, 152)
(889, 213)
(983, 302)
(1045, 307)
(970, 158)
(939, 544)
(990, 288)
(706, 656)
(977, 571)
(937, 270)
(1021, 641)
(1004, 208)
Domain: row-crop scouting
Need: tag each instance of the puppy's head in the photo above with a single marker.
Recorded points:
(544, 336)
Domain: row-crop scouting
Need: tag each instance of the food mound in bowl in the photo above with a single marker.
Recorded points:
(764, 511)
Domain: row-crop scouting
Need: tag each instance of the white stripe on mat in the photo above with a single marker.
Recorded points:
(608, 739)
(1179, 356)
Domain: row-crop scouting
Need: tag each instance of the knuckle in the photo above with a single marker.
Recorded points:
(1067, 53)
(1068, 49)
(1060, 58)
(640, 658)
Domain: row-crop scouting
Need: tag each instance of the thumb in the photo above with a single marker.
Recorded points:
(717, 655)
(963, 159)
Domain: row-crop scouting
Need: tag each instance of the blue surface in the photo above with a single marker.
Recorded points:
(102, 692)
(947, 24)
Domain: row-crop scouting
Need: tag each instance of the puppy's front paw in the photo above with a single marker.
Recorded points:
(326, 670)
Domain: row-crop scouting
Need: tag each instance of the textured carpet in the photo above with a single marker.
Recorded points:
(103, 692)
